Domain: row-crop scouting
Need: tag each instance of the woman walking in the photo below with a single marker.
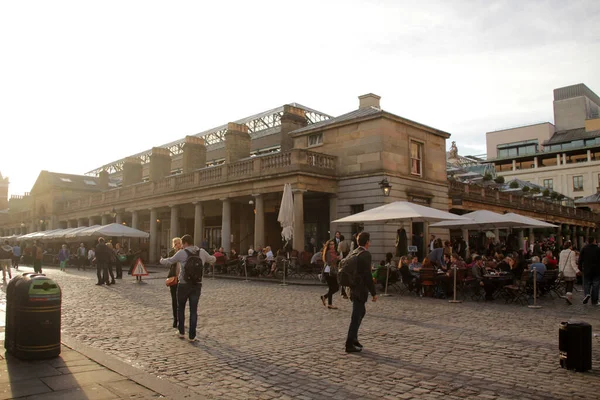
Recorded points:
(121, 257)
(330, 259)
(567, 266)
(63, 257)
(172, 278)
(113, 260)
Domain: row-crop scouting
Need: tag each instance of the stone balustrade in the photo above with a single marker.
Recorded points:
(516, 200)
(293, 161)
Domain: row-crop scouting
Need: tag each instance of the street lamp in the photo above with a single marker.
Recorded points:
(385, 187)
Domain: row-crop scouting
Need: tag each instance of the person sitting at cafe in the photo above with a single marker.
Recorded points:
(540, 268)
(408, 278)
(479, 271)
(551, 261)
(503, 266)
(415, 266)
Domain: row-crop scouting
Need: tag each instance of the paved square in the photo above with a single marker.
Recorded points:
(264, 341)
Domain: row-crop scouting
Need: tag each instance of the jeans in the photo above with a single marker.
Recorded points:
(332, 285)
(102, 272)
(358, 313)
(173, 290)
(187, 291)
(591, 286)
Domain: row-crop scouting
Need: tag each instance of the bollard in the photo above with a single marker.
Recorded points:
(387, 277)
(454, 297)
(246, 269)
(535, 306)
(213, 271)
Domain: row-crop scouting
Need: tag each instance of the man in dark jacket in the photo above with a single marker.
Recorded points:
(360, 293)
(103, 255)
(589, 263)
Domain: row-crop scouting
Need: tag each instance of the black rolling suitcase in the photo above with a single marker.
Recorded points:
(575, 345)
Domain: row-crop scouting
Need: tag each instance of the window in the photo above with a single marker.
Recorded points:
(549, 183)
(66, 180)
(416, 158)
(578, 183)
(355, 209)
(315, 140)
(88, 182)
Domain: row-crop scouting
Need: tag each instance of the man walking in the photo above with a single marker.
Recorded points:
(6, 255)
(188, 290)
(16, 256)
(359, 293)
(589, 263)
(103, 255)
(37, 252)
(81, 259)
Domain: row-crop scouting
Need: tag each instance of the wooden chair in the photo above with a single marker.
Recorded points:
(427, 279)
(519, 290)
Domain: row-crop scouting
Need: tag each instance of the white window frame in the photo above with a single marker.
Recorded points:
(318, 139)
(420, 159)
(578, 189)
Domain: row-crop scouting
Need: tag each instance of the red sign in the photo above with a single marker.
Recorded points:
(139, 269)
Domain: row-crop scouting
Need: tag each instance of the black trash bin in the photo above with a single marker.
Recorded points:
(575, 345)
(33, 312)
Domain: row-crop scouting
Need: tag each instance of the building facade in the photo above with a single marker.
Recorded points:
(564, 156)
(225, 185)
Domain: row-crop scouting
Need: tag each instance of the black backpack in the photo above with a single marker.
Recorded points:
(348, 269)
(6, 252)
(193, 268)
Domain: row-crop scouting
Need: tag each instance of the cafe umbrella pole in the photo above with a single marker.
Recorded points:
(284, 270)
(387, 278)
(535, 306)
(454, 296)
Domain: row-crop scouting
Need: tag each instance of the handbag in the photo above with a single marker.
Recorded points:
(172, 281)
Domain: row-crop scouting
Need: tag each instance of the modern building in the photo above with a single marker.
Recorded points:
(226, 184)
(564, 156)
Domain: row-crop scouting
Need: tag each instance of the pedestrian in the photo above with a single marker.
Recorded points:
(567, 266)
(91, 255)
(589, 263)
(16, 256)
(111, 264)
(359, 293)
(6, 256)
(121, 257)
(102, 259)
(330, 259)
(81, 257)
(63, 257)
(173, 274)
(37, 252)
(188, 290)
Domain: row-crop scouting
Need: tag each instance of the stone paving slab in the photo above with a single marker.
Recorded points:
(264, 341)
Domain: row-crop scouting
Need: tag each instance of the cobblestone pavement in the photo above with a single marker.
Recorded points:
(264, 341)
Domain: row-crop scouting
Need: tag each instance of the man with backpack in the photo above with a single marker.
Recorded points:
(6, 255)
(192, 260)
(356, 273)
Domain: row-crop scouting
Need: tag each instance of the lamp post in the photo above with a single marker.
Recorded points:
(385, 187)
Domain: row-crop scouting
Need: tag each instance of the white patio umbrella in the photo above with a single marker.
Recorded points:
(481, 219)
(530, 222)
(286, 213)
(72, 233)
(112, 230)
(401, 211)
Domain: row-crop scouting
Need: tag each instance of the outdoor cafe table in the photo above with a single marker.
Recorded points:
(497, 281)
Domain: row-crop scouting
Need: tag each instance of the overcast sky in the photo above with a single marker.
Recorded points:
(86, 83)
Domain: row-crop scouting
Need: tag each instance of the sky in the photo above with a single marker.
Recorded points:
(83, 84)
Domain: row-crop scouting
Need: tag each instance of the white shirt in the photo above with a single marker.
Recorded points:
(91, 254)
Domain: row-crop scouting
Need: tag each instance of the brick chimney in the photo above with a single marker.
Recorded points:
(293, 118)
(3, 192)
(237, 142)
(368, 100)
(132, 171)
(194, 154)
(160, 163)
(103, 179)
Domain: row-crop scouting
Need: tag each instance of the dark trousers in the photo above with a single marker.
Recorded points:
(15, 262)
(185, 292)
(358, 313)
(569, 286)
(332, 285)
(119, 268)
(37, 266)
(102, 272)
(174, 302)
(591, 286)
(81, 260)
(110, 272)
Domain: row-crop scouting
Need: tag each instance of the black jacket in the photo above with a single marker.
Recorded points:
(103, 254)
(589, 259)
(366, 286)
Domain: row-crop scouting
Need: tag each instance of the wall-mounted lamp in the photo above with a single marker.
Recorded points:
(385, 187)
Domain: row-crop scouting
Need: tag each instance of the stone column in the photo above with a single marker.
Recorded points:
(259, 221)
(514, 165)
(70, 224)
(559, 237)
(573, 235)
(226, 225)
(465, 235)
(119, 218)
(332, 215)
(589, 156)
(497, 233)
(152, 251)
(531, 236)
(580, 241)
(135, 219)
(522, 240)
(535, 162)
(174, 221)
(299, 219)
(104, 219)
(32, 227)
(564, 157)
(91, 221)
(558, 159)
(198, 223)
(80, 222)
